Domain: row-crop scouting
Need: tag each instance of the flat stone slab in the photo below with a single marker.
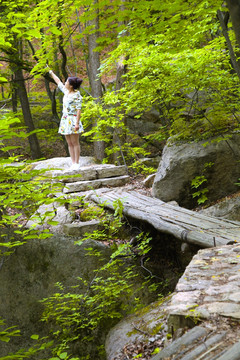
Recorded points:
(62, 163)
(95, 184)
(81, 228)
(91, 172)
(210, 286)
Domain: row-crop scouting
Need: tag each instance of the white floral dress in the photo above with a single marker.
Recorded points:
(71, 103)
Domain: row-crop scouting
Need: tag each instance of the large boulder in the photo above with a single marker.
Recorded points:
(147, 122)
(147, 326)
(30, 274)
(228, 208)
(182, 162)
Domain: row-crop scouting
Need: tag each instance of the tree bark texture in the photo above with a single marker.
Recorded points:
(14, 96)
(234, 10)
(22, 93)
(119, 136)
(94, 79)
(228, 42)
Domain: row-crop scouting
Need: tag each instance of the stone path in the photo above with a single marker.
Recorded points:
(92, 177)
(208, 293)
(207, 296)
(210, 285)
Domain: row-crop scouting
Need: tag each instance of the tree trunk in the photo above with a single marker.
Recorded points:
(119, 136)
(229, 44)
(234, 10)
(22, 93)
(94, 79)
(14, 96)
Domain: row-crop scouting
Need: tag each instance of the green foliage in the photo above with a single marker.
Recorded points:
(165, 66)
(110, 224)
(21, 195)
(197, 182)
(171, 50)
(6, 334)
(91, 307)
(23, 190)
(176, 61)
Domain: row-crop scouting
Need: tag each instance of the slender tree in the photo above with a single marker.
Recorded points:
(11, 48)
(234, 10)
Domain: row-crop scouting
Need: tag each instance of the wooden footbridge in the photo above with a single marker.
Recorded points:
(186, 225)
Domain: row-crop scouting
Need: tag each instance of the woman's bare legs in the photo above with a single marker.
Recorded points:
(73, 147)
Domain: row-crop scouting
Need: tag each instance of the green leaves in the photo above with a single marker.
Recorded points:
(5, 335)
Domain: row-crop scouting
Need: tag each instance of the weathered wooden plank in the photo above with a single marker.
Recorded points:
(187, 339)
(159, 207)
(184, 224)
(231, 354)
(204, 347)
(135, 196)
(177, 214)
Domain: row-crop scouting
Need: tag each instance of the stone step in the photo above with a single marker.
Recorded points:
(81, 228)
(93, 172)
(95, 184)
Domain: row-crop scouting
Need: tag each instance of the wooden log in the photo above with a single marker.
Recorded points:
(206, 346)
(231, 354)
(187, 339)
(184, 224)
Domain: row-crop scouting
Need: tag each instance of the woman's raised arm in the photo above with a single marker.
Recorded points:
(55, 77)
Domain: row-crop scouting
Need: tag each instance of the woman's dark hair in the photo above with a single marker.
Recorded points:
(75, 82)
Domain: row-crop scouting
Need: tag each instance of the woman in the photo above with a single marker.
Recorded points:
(70, 124)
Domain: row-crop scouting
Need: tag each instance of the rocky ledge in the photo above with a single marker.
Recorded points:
(206, 301)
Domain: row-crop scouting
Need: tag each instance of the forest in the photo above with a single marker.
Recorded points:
(178, 57)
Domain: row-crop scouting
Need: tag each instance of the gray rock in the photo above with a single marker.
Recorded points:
(182, 162)
(93, 172)
(148, 182)
(148, 122)
(61, 163)
(232, 353)
(95, 184)
(228, 208)
(209, 287)
(140, 326)
(59, 213)
(81, 228)
(30, 274)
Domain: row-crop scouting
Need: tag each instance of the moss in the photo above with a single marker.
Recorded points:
(147, 326)
(152, 306)
(92, 212)
(157, 328)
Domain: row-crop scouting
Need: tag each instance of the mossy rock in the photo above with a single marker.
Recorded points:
(91, 212)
